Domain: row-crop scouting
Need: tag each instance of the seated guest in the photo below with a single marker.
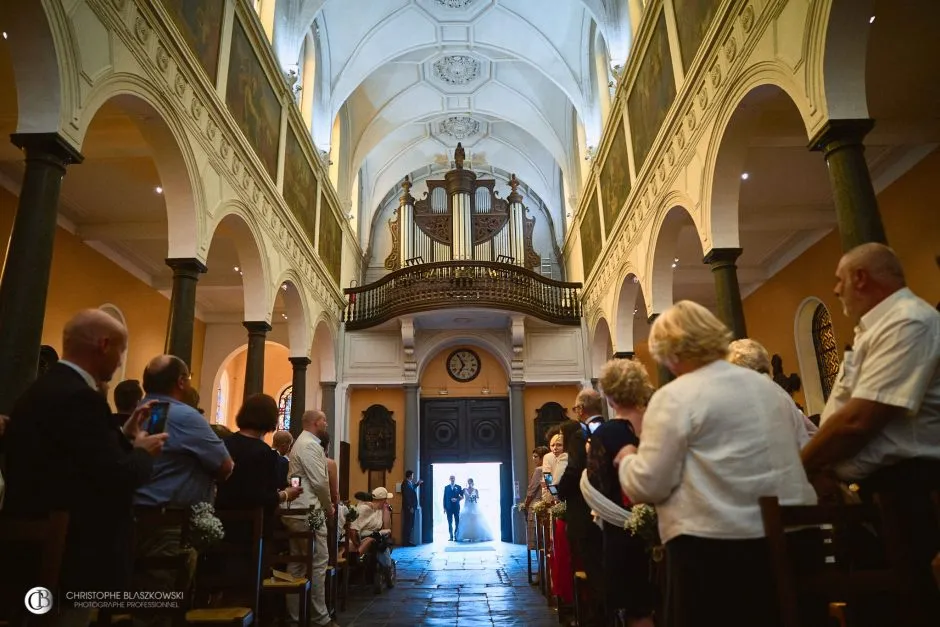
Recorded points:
(375, 517)
(64, 454)
(749, 353)
(127, 395)
(625, 562)
(282, 441)
(715, 440)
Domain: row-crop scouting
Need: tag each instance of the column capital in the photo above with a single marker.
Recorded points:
(517, 384)
(836, 134)
(722, 256)
(47, 145)
(186, 266)
(299, 363)
(257, 327)
(624, 355)
(411, 387)
(329, 385)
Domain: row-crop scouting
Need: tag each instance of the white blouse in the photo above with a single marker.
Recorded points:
(714, 441)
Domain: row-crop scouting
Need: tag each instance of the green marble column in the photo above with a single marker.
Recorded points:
(413, 451)
(254, 364)
(663, 374)
(730, 305)
(181, 323)
(25, 282)
(853, 194)
(298, 402)
(520, 462)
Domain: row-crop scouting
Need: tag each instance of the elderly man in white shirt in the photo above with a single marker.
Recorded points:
(881, 425)
(308, 461)
(715, 440)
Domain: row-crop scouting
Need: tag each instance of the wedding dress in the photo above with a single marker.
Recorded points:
(473, 527)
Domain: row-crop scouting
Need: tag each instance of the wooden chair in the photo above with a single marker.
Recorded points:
(530, 546)
(274, 560)
(838, 579)
(331, 582)
(21, 540)
(342, 571)
(580, 580)
(214, 581)
(541, 553)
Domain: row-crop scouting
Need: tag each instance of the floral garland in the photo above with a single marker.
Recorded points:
(539, 507)
(559, 510)
(205, 527)
(316, 519)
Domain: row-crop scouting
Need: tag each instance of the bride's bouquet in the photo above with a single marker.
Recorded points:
(474, 498)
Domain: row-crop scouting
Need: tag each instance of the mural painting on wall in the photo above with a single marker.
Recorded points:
(331, 240)
(377, 439)
(590, 234)
(200, 24)
(615, 178)
(300, 186)
(546, 416)
(652, 93)
(252, 100)
(693, 18)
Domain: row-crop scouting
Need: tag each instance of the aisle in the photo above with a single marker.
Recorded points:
(454, 585)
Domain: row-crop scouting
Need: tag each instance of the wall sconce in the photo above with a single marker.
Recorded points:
(443, 391)
(485, 390)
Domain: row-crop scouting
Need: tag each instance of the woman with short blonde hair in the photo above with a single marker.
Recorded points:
(750, 354)
(714, 441)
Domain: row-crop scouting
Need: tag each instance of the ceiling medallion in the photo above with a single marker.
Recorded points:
(454, 4)
(460, 127)
(457, 69)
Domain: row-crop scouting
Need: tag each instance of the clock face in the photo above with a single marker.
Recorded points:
(463, 365)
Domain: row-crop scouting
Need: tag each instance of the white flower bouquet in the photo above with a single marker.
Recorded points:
(205, 527)
(558, 510)
(644, 524)
(316, 519)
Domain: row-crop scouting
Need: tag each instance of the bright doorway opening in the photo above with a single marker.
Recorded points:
(486, 479)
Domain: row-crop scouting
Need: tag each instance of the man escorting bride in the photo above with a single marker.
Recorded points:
(473, 527)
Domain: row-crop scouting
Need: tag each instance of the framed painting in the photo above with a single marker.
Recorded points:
(693, 17)
(615, 177)
(331, 240)
(591, 234)
(300, 186)
(200, 24)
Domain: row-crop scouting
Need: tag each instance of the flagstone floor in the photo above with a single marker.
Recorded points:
(453, 585)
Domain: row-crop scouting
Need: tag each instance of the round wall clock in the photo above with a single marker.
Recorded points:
(463, 365)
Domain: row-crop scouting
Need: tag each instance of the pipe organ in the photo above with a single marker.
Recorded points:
(461, 218)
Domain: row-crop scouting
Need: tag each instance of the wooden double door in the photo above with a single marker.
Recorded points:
(461, 431)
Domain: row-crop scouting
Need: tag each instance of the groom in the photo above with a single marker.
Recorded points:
(453, 493)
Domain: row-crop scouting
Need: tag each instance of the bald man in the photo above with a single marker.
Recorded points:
(881, 425)
(65, 453)
(308, 461)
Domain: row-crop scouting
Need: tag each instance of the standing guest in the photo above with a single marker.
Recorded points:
(881, 425)
(332, 471)
(534, 491)
(715, 440)
(625, 563)
(409, 497)
(282, 441)
(127, 396)
(308, 462)
(749, 353)
(556, 454)
(65, 454)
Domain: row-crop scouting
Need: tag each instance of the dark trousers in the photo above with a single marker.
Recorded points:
(453, 522)
(407, 526)
(587, 548)
(626, 567)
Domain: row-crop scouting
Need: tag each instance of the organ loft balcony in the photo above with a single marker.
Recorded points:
(462, 247)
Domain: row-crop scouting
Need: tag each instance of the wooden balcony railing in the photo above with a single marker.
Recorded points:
(462, 284)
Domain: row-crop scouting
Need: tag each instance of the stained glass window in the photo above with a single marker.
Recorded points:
(283, 408)
(221, 395)
(827, 351)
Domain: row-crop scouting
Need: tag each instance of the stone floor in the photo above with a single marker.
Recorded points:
(453, 585)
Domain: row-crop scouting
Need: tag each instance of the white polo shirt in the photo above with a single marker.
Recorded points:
(894, 360)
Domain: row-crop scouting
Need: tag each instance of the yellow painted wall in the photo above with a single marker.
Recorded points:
(492, 375)
(912, 222)
(533, 397)
(82, 278)
(278, 373)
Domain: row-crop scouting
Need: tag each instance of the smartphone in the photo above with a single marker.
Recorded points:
(295, 481)
(553, 490)
(158, 415)
(548, 478)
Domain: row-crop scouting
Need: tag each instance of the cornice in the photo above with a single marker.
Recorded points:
(149, 35)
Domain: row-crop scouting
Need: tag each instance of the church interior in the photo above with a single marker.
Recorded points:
(437, 220)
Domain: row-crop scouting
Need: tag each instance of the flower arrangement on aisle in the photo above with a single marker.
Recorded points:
(644, 524)
(351, 512)
(316, 519)
(205, 527)
(520, 506)
(559, 510)
(539, 508)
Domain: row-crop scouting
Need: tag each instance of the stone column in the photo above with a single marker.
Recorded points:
(25, 281)
(520, 467)
(328, 407)
(180, 326)
(413, 450)
(730, 306)
(663, 374)
(298, 403)
(853, 194)
(254, 364)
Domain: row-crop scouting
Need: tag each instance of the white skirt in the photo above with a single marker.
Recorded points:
(473, 527)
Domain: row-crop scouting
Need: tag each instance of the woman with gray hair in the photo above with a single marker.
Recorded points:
(715, 440)
(751, 354)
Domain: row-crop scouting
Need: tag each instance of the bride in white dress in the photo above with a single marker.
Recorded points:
(473, 527)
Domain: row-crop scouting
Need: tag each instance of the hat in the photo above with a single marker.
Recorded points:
(380, 494)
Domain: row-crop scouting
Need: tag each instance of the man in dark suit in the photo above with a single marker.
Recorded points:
(453, 494)
(585, 538)
(127, 395)
(64, 454)
(409, 497)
